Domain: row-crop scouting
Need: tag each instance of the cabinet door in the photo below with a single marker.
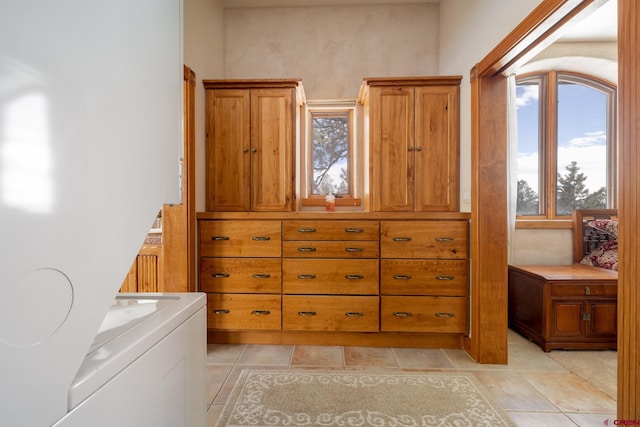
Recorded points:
(567, 319)
(227, 150)
(392, 142)
(272, 137)
(603, 318)
(436, 148)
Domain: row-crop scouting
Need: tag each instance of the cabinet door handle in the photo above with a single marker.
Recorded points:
(442, 277)
(220, 311)
(260, 238)
(353, 276)
(586, 317)
(254, 150)
(402, 276)
(307, 313)
(402, 313)
(245, 150)
(306, 230)
(354, 230)
(220, 238)
(418, 148)
(441, 314)
(410, 149)
(587, 290)
(354, 249)
(306, 249)
(261, 312)
(444, 239)
(220, 275)
(401, 239)
(261, 275)
(306, 276)
(354, 314)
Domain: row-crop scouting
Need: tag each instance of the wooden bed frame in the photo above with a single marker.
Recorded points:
(567, 306)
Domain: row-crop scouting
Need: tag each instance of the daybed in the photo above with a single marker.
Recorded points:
(571, 306)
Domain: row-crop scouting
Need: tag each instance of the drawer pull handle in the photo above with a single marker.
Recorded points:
(261, 275)
(587, 290)
(402, 313)
(306, 249)
(306, 230)
(402, 276)
(444, 239)
(220, 238)
(354, 230)
(220, 275)
(401, 239)
(307, 313)
(440, 314)
(220, 311)
(354, 249)
(441, 277)
(306, 276)
(261, 238)
(261, 312)
(354, 314)
(353, 276)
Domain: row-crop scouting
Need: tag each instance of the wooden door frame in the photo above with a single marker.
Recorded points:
(487, 342)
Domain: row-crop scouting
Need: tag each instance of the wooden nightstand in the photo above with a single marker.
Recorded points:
(564, 306)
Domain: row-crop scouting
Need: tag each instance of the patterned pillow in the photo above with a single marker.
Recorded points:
(605, 256)
(609, 226)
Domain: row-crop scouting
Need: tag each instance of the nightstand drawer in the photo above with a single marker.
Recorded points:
(330, 276)
(330, 313)
(330, 230)
(423, 314)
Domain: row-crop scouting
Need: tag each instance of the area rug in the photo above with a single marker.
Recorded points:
(339, 398)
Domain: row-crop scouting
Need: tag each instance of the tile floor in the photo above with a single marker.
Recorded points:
(532, 388)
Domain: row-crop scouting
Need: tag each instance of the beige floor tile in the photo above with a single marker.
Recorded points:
(540, 419)
(268, 355)
(224, 353)
(570, 393)
(213, 414)
(216, 377)
(326, 356)
(369, 356)
(514, 393)
(422, 358)
(593, 420)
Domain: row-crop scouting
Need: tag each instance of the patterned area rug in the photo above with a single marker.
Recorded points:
(339, 398)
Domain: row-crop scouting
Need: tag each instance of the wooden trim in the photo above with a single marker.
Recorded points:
(628, 194)
(323, 215)
(540, 224)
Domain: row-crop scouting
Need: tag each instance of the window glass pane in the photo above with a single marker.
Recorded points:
(528, 102)
(582, 148)
(330, 157)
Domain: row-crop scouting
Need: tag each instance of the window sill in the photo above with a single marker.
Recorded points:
(340, 201)
(544, 223)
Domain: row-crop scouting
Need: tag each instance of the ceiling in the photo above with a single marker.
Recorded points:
(599, 26)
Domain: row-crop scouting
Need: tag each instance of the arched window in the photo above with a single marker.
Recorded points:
(566, 144)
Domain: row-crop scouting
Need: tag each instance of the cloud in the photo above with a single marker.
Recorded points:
(526, 94)
(589, 139)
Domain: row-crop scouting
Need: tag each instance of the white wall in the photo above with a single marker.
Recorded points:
(204, 54)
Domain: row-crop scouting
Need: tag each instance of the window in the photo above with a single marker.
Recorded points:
(330, 157)
(566, 144)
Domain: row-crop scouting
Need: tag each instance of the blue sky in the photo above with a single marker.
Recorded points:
(581, 133)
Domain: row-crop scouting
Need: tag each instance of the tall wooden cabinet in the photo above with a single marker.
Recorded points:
(414, 143)
(251, 129)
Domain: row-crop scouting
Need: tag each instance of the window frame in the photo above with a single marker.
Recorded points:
(337, 107)
(548, 139)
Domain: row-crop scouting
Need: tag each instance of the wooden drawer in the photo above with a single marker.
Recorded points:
(423, 314)
(238, 275)
(584, 290)
(424, 239)
(240, 238)
(243, 311)
(330, 313)
(330, 276)
(423, 277)
(331, 249)
(330, 230)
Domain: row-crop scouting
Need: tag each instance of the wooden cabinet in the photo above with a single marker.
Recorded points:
(424, 276)
(240, 269)
(565, 306)
(414, 142)
(251, 130)
(286, 279)
(146, 272)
